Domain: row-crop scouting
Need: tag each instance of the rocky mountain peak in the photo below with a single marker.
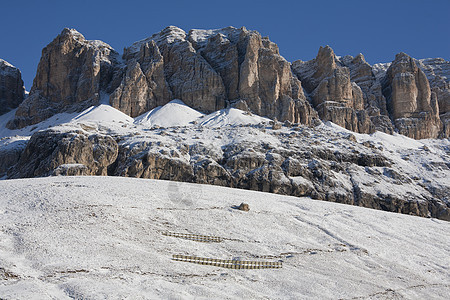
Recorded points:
(71, 33)
(12, 90)
(211, 69)
(70, 75)
(4, 65)
(407, 90)
(326, 57)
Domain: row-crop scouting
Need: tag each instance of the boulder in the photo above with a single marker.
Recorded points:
(12, 90)
(244, 207)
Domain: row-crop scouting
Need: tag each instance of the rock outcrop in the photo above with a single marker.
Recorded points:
(12, 90)
(386, 97)
(255, 76)
(414, 112)
(297, 161)
(71, 75)
(437, 71)
(333, 95)
(362, 74)
(210, 70)
(324, 164)
(72, 152)
(10, 151)
(234, 67)
(181, 72)
(143, 85)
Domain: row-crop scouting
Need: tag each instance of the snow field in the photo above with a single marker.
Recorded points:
(101, 237)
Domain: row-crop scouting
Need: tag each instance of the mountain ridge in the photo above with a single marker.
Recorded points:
(222, 107)
(214, 69)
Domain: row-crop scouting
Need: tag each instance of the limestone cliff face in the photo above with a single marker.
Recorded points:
(437, 71)
(230, 67)
(390, 97)
(407, 90)
(53, 152)
(12, 90)
(178, 72)
(363, 75)
(333, 94)
(143, 85)
(70, 76)
(213, 69)
(265, 85)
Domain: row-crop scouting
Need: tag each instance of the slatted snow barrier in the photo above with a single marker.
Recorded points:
(230, 264)
(195, 237)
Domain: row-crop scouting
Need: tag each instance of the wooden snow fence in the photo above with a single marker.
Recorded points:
(223, 263)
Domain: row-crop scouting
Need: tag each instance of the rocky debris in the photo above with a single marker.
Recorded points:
(333, 95)
(71, 76)
(12, 90)
(406, 88)
(244, 207)
(71, 170)
(72, 152)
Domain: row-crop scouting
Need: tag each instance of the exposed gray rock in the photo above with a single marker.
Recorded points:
(297, 161)
(362, 74)
(50, 151)
(244, 207)
(10, 151)
(12, 91)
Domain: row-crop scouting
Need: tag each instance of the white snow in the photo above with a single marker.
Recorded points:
(231, 116)
(103, 113)
(420, 159)
(201, 36)
(170, 34)
(174, 113)
(101, 237)
(4, 63)
(379, 70)
(26, 132)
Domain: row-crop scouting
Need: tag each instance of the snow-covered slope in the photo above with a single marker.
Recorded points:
(231, 116)
(103, 113)
(101, 237)
(174, 113)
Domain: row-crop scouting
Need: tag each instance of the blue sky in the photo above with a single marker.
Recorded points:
(378, 28)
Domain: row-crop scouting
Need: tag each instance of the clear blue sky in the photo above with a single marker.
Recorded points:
(377, 28)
